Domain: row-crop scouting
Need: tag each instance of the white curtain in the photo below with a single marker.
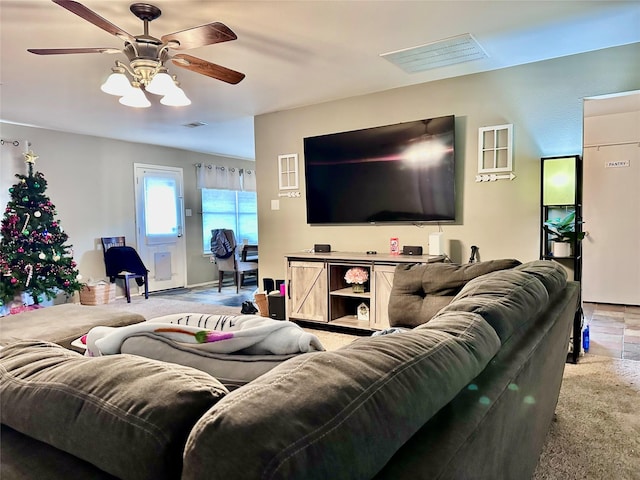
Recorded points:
(249, 180)
(217, 177)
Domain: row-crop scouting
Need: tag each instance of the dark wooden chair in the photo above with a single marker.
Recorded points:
(125, 264)
(249, 253)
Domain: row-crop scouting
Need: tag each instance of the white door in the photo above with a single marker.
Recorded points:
(611, 201)
(159, 221)
(611, 268)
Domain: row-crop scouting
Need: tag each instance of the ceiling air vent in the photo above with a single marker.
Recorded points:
(450, 51)
(194, 124)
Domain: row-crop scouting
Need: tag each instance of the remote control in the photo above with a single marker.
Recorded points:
(371, 252)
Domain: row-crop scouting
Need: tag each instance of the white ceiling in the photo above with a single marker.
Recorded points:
(293, 53)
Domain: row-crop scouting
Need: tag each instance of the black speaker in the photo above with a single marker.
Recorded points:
(322, 248)
(411, 250)
(276, 306)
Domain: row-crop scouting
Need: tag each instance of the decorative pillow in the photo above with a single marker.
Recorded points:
(127, 415)
(422, 290)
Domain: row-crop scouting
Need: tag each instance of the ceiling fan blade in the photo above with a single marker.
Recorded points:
(92, 17)
(64, 51)
(200, 36)
(207, 68)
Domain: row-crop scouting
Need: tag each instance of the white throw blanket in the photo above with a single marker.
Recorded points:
(251, 334)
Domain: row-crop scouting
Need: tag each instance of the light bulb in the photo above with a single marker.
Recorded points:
(161, 84)
(116, 84)
(177, 98)
(135, 98)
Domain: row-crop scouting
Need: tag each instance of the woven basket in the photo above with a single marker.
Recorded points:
(98, 294)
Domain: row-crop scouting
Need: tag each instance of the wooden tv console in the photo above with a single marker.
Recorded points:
(318, 292)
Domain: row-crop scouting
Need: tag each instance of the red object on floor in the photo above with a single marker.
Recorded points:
(23, 308)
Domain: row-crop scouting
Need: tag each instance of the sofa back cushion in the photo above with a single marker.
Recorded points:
(420, 290)
(127, 415)
(509, 299)
(552, 275)
(342, 413)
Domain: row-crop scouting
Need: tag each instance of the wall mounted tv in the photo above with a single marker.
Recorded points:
(402, 173)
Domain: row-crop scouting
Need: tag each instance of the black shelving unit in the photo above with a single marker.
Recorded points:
(561, 194)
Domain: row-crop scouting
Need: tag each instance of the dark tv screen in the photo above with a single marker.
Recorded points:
(402, 173)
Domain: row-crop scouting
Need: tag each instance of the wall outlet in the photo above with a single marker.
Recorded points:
(275, 204)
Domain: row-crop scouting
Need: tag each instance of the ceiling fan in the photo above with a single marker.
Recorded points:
(147, 54)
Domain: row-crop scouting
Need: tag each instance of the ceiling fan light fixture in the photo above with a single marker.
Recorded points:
(161, 84)
(117, 83)
(135, 98)
(147, 54)
(176, 98)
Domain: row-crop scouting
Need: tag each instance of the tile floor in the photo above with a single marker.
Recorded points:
(209, 294)
(614, 330)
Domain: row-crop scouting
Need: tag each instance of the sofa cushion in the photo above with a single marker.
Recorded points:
(62, 324)
(290, 423)
(420, 290)
(552, 275)
(127, 415)
(232, 370)
(25, 458)
(505, 299)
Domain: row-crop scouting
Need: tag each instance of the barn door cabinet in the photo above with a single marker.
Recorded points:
(318, 292)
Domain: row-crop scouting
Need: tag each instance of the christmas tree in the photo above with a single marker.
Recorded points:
(34, 256)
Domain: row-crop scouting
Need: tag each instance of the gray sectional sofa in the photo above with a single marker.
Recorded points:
(468, 391)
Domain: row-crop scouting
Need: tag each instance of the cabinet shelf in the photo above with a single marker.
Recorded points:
(351, 321)
(348, 292)
(553, 257)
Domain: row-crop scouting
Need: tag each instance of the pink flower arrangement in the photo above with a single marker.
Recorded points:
(356, 275)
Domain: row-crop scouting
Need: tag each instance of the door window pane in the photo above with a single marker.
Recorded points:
(161, 214)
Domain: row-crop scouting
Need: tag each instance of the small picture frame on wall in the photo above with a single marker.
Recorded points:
(288, 171)
(495, 149)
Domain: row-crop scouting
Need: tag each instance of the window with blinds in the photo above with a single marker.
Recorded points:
(231, 209)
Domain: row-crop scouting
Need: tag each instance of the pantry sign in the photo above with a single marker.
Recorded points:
(617, 164)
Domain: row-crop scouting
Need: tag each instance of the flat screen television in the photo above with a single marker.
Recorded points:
(402, 173)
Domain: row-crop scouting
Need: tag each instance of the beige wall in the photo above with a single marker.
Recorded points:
(544, 103)
(90, 181)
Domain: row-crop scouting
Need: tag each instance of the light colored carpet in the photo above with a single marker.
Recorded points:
(157, 307)
(332, 340)
(596, 434)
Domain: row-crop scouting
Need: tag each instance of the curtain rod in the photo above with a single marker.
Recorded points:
(596, 145)
(240, 169)
(15, 143)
